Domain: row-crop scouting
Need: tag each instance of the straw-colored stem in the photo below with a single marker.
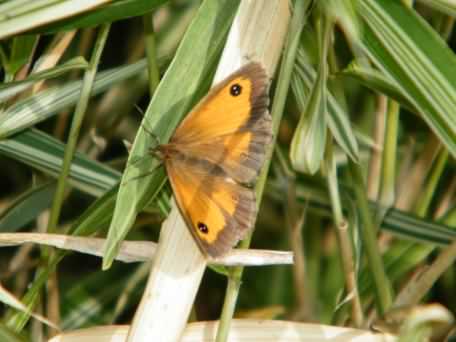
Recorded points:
(344, 239)
(141, 251)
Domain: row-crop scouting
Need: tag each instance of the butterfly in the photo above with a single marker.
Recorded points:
(214, 157)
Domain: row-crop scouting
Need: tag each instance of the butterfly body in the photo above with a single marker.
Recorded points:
(214, 157)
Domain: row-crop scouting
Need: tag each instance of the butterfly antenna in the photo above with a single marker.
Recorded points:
(139, 109)
(136, 161)
(142, 175)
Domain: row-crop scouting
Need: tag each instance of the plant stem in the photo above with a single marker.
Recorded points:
(81, 108)
(343, 237)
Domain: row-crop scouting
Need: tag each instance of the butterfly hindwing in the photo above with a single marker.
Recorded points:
(217, 210)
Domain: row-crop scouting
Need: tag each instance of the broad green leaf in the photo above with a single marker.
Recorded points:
(338, 121)
(404, 47)
(203, 41)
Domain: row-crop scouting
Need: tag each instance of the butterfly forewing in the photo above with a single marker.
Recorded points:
(231, 126)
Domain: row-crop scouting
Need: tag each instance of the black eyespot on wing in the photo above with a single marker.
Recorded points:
(203, 228)
(235, 89)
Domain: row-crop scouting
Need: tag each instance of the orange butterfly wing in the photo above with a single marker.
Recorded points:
(231, 126)
(218, 148)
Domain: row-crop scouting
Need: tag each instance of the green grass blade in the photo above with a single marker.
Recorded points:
(46, 103)
(45, 153)
(76, 124)
(9, 89)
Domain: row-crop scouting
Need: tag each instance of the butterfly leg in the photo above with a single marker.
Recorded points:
(143, 174)
(143, 126)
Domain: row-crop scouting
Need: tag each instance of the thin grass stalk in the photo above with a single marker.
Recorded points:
(295, 218)
(81, 107)
(430, 189)
(368, 234)
(373, 178)
(343, 238)
(85, 42)
(294, 32)
(389, 157)
(151, 52)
